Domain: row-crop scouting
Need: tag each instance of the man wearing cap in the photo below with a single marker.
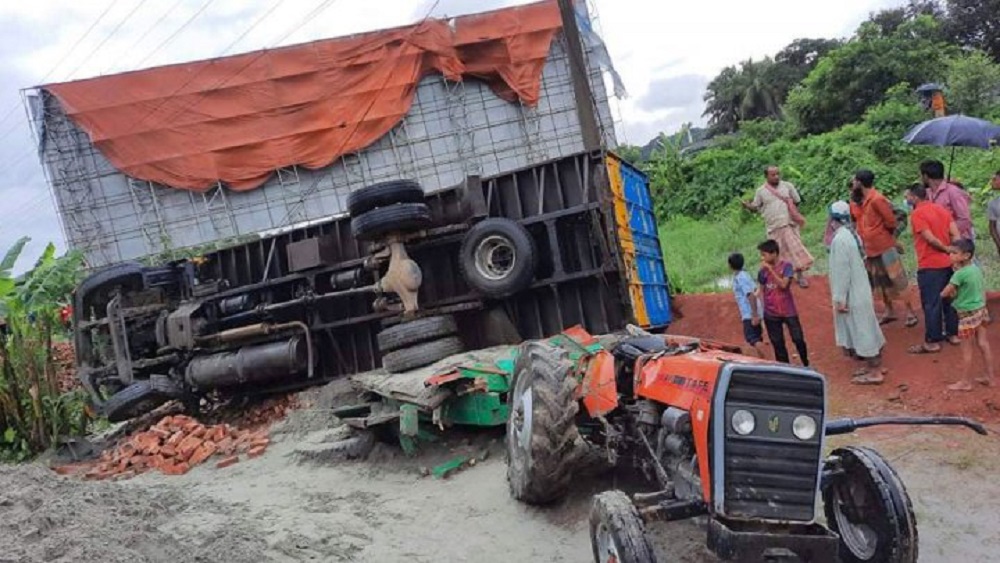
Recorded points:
(857, 327)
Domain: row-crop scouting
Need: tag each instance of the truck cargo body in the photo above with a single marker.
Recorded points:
(452, 130)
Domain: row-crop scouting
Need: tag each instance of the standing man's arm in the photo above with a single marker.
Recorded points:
(884, 210)
(755, 204)
(993, 211)
(954, 232)
(960, 207)
(795, 194)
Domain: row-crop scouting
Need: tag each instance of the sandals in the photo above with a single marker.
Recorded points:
(864, 377)
(954, 341)
(803, 283)
(911, 321)
(960, 386)
(984, 381)
(886, 320)
(922, 349)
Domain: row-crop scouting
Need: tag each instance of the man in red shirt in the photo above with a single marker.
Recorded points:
(876, 226)
(934, 230)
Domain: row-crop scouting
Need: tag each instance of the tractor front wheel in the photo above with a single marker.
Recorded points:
(617, 532)
(541, 429)
(869, 508)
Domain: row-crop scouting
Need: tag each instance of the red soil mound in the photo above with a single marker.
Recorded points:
(915, 384)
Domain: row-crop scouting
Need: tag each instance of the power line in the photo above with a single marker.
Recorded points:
(107, 37)
(144, 35)
(175, 33)
(69, 52)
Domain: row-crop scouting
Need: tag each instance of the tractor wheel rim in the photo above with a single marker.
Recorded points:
(521, 422)
(495, 258)
(606, 550)
(860, 538)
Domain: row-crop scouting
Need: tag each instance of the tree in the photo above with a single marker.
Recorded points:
(973, 83)
(856, 76)
(976, 24)
(751, 91)
(889, 21)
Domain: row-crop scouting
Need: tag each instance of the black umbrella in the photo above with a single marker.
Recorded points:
(954, 131)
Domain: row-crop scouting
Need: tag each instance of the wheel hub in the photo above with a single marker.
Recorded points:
(521, 420)
(860, 538)
(495, 257)
(607, 552)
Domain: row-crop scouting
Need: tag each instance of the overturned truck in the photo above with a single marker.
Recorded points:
(379, 200)
(406, 280)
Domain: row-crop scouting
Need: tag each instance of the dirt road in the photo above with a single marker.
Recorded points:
(296, 504)
(301, 502)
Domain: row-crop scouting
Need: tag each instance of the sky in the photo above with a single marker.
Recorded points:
(665, 52)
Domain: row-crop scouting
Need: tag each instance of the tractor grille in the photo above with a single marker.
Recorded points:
(770, 473)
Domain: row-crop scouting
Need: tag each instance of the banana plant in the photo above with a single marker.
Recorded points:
(33, 412)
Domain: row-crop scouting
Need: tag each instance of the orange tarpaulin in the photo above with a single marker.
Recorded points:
(237, 119)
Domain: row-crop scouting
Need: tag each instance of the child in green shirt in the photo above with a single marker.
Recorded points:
(967, 290)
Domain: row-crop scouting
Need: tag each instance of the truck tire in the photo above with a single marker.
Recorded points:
(421, 355)
(869, 508)
(130, 272)
(135, 400)
(416, 332)
(399, 217)
(542, 437)
(383, 194)
(497, 257)
(617, 532)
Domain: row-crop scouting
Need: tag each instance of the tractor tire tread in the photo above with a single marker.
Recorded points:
(555, 438)
(120, 406)
(615, 510)
(903, 545)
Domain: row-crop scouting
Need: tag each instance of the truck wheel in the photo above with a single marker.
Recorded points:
(421, 355)
(541, 427)
(415, 332)
(497, 257)
(383, 194)
(135, 400)
(617, 532)
(399, 217)
(867, 505)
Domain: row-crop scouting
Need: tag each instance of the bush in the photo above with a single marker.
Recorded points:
(33, 411)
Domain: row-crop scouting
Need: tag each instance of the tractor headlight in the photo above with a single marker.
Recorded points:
(743, 422)
(804, 427)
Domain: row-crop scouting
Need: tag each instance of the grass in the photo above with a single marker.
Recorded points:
(695, 250)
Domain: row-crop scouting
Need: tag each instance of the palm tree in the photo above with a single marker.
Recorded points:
(751, 91)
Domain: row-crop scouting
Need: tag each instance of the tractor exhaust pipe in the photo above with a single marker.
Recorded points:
(849, 425)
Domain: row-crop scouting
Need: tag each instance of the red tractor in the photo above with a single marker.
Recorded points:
(722, 435)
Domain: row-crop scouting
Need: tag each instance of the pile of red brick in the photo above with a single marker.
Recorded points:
(65, 364)
(174, 445)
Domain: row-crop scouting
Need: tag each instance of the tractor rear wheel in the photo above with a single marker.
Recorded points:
(869, 508)
(617, 532)
(541, 429)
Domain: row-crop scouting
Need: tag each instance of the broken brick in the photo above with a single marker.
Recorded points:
(175, 468)
(227, 446)
(199, 431)
(168, 451)
(226, 462)
(161, 433)
(156, 461)
(257, 451)
(175, 438)
(124, 475)
(138, 461)
(260, 442)
(188, 446)
(205, 451)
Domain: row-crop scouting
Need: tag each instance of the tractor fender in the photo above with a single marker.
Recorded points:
(599, 387)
